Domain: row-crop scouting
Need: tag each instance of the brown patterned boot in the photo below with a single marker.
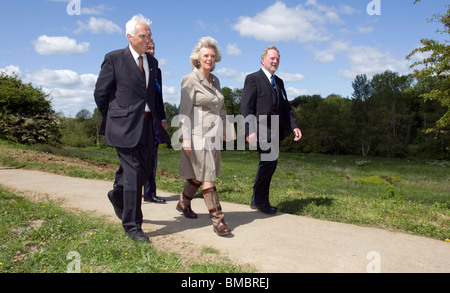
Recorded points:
(184, 205)
(215, 211)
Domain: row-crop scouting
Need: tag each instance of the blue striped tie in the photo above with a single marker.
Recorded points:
(273, 84)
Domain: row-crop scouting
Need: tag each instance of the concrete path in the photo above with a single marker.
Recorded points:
(272, 244)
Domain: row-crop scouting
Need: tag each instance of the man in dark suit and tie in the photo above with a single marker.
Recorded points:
(269, 119)
(125, 94)
(161, 136)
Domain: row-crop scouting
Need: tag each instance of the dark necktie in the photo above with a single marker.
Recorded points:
(141, 69)
(272, 79)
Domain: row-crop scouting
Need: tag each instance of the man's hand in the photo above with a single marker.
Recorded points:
(252, 139)
(298, 134)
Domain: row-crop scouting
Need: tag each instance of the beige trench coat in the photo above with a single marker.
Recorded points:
(202, 116)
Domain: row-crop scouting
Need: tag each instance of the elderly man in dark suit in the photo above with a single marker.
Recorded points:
(125, 94)
(264, 98)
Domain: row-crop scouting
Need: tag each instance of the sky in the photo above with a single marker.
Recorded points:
(59, 45)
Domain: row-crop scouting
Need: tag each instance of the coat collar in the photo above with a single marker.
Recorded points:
(204, 81)
(131, 61)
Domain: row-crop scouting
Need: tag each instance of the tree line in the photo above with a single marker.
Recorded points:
(389, 115)
(384, 117)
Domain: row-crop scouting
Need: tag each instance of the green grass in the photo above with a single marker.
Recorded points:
(41, 237)
(407, 195)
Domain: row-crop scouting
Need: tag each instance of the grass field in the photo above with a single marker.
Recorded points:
(408, 195)
(40, 237)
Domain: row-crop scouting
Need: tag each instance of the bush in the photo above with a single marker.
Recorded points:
(26, 115)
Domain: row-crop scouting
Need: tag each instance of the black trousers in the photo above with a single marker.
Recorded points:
(261, 188)
(136, 165)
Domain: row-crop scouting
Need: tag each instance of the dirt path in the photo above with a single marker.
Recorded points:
(271, 244)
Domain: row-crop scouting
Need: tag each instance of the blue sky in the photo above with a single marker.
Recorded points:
(324, 44)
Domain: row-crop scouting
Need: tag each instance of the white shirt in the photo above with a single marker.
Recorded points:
(268, 74)
(136, 56)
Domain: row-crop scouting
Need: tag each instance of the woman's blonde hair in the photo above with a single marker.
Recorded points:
(205, 42)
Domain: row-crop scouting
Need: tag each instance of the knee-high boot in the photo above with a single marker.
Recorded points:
(184, 205)
(215, 211)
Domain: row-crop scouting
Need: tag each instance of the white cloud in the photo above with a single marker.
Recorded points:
(233, 49)
(171, 95)
(304, 23)
(328, 55)
(348, 10)
(100, 9)
(70, 92)
(292, 92)
(10, 70)
(231, 73)
(64, 45)
(365, 30)
(324, 56)
(240, 76)
(370, 61)
(98, 26)
(291, 77)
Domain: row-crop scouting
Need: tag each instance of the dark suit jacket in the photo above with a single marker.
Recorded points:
(159, 99)
(259, 98)
(161, 135)
(121, 97)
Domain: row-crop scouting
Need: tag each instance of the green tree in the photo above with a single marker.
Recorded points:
(335, 125)
(390, 119)
(232, 100)
(84, 114)
(171, 111)
(81, 131)
(433, 74)
(97, 120)
(360, 113)
(305, 109)
(26, 114)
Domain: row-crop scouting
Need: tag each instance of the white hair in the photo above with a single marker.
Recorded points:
(205, 42)
(131, 24)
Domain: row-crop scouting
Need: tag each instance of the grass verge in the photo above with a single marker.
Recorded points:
(406, 195)
(41, 237)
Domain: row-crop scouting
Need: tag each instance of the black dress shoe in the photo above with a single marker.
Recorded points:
(265, 209)
(154, 199)
(137, 235)
(117, 209)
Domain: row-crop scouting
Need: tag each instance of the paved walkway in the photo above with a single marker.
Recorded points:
(272, 244)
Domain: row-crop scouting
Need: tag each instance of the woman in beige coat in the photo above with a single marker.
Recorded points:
(203, 115)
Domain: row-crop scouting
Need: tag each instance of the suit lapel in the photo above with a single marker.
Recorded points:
(151, 72)
(204, 82)
(265, 80)
(275, 97)
(131, 62)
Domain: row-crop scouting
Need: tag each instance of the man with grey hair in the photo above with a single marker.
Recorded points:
(125, 94)
(264, 97)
